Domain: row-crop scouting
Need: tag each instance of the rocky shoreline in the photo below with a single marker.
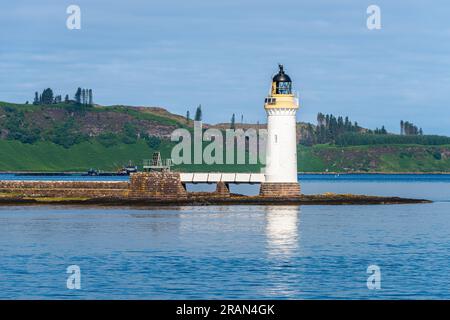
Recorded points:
(167, 189)
(213, 200)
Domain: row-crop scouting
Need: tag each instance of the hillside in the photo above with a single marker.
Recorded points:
(47, 156)
(70, 137)
(30, 123)
(375, 158)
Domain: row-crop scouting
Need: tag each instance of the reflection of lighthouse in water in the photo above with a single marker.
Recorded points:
(282, 230)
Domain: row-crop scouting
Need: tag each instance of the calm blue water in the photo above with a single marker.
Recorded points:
(306, 252)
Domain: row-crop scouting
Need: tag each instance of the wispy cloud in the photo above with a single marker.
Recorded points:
(222, 55)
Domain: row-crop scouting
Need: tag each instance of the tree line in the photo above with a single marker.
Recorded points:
(327, 129)
(353, 139)
(408, 128)
(198, 114)
(342, 131)
(81, 97)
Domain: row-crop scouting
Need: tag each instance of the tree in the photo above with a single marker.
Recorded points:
(57, 99)
(233, 122)
(320, 119)
(130, 133)
(83, 96)
(78, 96)
(36, 98)
(90, 100)
(408, 128)
(340, 125)
(153, 142)
(66, 99)
(198, 113)
(47, 96)
(188, 116)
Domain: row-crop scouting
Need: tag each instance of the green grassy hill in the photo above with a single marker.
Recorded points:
(70, 137)
(47, 156)
(377, 158)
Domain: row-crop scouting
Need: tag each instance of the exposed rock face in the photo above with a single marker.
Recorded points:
(160, 185)
(272, 189)
(90, 122)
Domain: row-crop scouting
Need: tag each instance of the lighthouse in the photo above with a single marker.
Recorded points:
(281, 106)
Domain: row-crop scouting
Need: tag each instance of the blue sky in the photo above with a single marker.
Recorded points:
(222, 54)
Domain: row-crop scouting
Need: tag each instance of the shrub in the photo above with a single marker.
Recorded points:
(153, 142)
(108, 139)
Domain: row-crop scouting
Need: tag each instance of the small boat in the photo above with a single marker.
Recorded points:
(127, 170)
(92, 172)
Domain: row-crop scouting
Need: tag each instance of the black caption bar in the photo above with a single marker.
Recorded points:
(219, 309)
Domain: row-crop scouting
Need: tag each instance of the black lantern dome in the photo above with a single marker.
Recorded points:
(282, 81)
(281, 76)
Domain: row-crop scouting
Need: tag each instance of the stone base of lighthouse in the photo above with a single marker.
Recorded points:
(280, 189)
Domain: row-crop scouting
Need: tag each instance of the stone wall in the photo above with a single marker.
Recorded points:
(223, 189)
(66, 189)
(159, 185)
(142, 185)
(64, 184)
(272, 189)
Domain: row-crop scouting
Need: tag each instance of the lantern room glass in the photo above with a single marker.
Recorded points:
(284, 87)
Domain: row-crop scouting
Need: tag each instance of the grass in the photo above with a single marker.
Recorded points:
(46, 156)
(138, 114)
(141, 115)
(308, 161)
(49, 157)
(378, 158)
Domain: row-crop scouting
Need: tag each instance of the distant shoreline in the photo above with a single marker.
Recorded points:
(68, 173)
(376, 173)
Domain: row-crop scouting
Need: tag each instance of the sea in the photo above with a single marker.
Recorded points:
(235, 252)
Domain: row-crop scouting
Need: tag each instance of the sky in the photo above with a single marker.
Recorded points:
(178, 54)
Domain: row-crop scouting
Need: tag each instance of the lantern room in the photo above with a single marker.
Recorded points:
(281, 83)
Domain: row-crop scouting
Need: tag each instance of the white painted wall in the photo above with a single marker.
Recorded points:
(281, 152)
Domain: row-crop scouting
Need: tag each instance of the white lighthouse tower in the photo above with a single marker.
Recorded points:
(281, 153)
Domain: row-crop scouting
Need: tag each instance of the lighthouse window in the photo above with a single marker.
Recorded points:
(284, 87)
(276, 139)
(270, 100)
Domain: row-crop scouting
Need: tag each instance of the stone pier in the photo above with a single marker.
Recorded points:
(142, 185)
(158, 185)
